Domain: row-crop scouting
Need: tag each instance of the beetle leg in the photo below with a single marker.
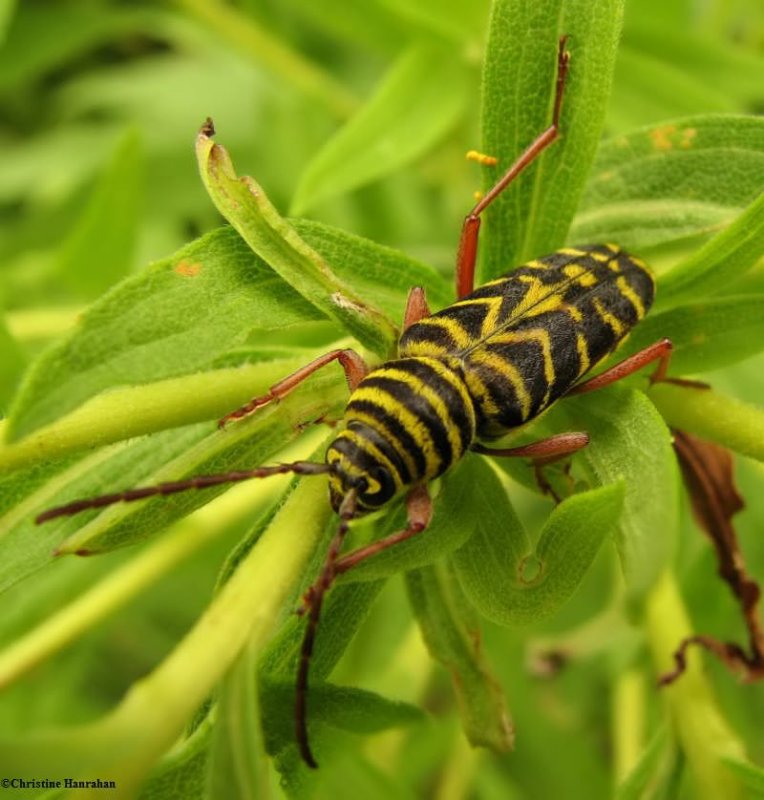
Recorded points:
(416, 307)
(660, 351)
(419, 508)
(541, 453)
(355, 370)
(468, 242)
(419, 511)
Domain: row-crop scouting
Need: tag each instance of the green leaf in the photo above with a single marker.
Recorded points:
(147, 463)
(509, 582)
(417, 103)
(373, 270)
(721, 262)
(12, 363)
(99, 249)
(655, 774)
(181, 774)
(712, 415)
(750, 775)
(453, 637)
(40, 39)
(174, 318)
(7, 9)
(649, 89)
(238, 769)
(533, 216)
(631, 443)
(339, 707)
(706, 335)
(721, 65)
(244, 204)
(26, 547)
(450, 19)
(369, 25)
(671, 181)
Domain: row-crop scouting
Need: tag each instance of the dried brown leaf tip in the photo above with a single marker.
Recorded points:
(707, 470)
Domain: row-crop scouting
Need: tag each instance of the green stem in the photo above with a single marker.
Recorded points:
(127, 743)
(42, 323)
(119, 587)
(703, 733)
(628, 722)
(137, 410)
(714, 416)
(263, 47)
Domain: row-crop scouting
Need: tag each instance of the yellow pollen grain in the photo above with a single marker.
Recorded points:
(481, 158)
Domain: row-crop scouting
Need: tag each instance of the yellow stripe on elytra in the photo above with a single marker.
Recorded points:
(459, 336)
(450, 372)
(369, 447)
(506, 369)
(540, 335)
(379, 427)
(435, 400)
(609, 318)
(407, 419)
(582, 347)
(628, 292)
(491, 319)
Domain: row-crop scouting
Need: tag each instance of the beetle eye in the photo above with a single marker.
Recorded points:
(361, 484)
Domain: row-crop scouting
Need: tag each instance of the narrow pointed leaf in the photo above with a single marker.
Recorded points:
(532, 217)
(706, 334)
(373, 270)
(174, 318)
(509, 582)
(99, 249)
(452, 634)
(672, 181)
(631, 443)
(721, 261)
(417, 103)
(244, 204)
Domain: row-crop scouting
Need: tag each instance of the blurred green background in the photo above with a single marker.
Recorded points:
(100, 103)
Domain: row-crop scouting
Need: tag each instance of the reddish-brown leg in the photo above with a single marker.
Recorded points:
(355, 370)
(660, 351)
(541, 453)
(468, 242)
(419, 511)
(416, 307)
(173, 487)
(419, 508)
(544, 451)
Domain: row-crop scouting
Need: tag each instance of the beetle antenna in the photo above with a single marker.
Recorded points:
(312, 602)
(173, 487)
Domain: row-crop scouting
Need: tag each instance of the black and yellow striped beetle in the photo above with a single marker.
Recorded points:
(488, 363)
